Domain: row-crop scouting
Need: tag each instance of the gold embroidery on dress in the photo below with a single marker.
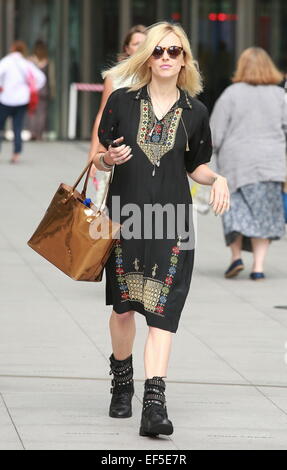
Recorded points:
(152, 290)
(144, 290)
(156, 150)
(135, 285)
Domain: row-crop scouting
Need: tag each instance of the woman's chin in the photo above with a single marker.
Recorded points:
(165, 74)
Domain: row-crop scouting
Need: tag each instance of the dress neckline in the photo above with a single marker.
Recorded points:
(171, 109)
(184, 100)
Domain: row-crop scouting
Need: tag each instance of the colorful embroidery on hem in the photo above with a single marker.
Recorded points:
(150, 292)
(169, 278)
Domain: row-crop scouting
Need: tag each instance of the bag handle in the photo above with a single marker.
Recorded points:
(88, 167)
(84, 191)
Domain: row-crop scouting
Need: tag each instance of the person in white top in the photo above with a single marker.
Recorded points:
(133, 39)
(15, 91)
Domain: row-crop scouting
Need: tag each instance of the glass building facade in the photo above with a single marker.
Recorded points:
(84, 36)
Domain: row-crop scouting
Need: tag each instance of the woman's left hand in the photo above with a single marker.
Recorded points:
(220, 196)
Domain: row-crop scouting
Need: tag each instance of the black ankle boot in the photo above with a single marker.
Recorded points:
(154, 414)
(122, 387)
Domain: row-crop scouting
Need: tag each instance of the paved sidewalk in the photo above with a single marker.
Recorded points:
(227, 382)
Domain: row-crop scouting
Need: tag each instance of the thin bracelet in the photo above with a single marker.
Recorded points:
(105, 163)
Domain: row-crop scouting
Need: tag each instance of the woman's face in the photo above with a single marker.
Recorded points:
(135, 42)
(166, 66)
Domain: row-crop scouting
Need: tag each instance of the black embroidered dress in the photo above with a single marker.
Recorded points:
(148, 273)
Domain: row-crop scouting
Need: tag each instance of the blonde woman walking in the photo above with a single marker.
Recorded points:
(249, 124)
(163, 136)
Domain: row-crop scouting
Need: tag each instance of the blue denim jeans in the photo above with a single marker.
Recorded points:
(17, 113)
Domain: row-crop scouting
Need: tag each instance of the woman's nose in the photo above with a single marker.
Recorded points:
(165, 55)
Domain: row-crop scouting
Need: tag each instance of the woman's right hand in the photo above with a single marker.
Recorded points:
(118, 155)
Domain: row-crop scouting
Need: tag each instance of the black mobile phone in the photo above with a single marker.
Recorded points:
(112, 143)
(115, 144)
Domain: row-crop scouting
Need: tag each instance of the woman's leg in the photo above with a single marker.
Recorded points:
(154, 418)
(4, 113)
(157, 352)
(236, 248)
(18, 120)
(259, 247)
(123, 331)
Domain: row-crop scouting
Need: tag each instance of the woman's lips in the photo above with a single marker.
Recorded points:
(165, 66)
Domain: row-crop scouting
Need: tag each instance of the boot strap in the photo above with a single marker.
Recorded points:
(121, 384)
(122, 387)
(120, 376)
(120, 365)
(157, 382)
(154, 400)
(122, 379)
(120, 370)
(156, 390)
(154, 396)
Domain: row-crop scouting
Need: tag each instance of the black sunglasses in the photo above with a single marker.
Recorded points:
(173, 51)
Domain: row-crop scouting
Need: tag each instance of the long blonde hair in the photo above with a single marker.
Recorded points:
(256, 67)
(136, 66)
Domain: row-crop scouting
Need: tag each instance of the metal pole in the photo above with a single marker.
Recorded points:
(65, 67)
(10, 22)
(186, 15)
(86, 62)
(125, 19)
(160, 10)
(194, 27)
(73, 107)
(245, 32)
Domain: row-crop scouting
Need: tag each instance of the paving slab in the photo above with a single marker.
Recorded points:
(227, 380)
(9, 439)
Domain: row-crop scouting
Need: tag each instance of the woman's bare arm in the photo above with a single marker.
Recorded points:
(219, 195)
(108, 88)
(203, 175)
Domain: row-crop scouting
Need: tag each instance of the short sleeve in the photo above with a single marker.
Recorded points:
(200, 144)
(108, 128)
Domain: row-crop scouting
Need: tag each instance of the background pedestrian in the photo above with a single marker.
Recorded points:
(132, 41)
(249, 124)
(15, 91)
(37, 122)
